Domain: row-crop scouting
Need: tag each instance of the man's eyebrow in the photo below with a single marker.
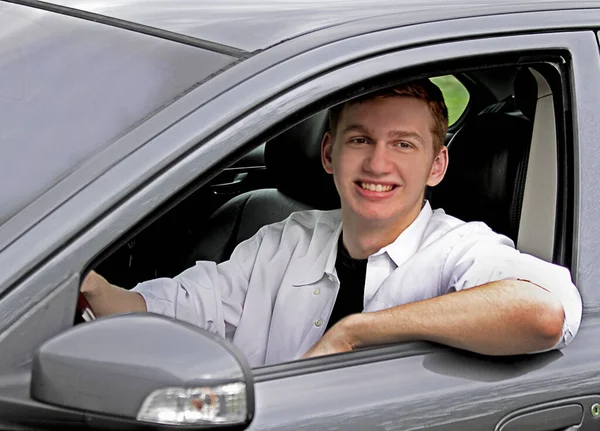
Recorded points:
(405, 134)
(356, 128)
(394, 134)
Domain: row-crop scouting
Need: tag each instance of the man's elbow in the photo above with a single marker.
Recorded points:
(550, 317)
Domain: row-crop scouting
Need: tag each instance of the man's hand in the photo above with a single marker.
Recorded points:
(106, 299)
(340, 338)
(93, 282)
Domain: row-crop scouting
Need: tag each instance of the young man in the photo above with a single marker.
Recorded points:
(383, 269)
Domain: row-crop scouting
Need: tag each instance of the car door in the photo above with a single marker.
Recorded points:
(416, 386)
(409, 386)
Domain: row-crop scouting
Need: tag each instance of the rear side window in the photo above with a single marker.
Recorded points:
(69, 88)
(455, 94)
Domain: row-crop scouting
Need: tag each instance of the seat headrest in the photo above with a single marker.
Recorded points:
(293, 158)
(486, 174)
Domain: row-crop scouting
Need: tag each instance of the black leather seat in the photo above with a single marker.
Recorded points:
(293, 159)
(489, 155)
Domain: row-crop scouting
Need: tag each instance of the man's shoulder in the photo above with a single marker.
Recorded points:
(441, 223)
(307, 220)
(447, 227)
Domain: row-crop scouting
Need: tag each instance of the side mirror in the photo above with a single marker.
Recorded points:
(145, 369)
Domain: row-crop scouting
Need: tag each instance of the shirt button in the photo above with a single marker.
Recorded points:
(317, 291)
(319, 323)
(330, 278)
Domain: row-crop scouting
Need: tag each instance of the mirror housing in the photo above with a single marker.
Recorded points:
(147, 368)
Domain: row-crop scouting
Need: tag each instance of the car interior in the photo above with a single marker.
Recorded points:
(503, 170)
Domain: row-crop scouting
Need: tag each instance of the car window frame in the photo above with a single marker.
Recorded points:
(377, 353)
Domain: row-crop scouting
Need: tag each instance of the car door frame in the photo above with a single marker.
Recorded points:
(283, 396)
(445, 388)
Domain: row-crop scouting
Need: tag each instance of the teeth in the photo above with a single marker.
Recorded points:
(375, 188)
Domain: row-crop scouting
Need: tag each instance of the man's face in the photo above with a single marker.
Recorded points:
(382, 157)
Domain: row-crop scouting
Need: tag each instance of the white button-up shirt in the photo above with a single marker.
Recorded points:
(273, 297)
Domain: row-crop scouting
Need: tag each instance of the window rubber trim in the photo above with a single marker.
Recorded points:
(344, 360)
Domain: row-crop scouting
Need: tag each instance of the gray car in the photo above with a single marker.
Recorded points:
(137, 137)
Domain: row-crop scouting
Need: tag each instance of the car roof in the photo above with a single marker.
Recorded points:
(256, 25)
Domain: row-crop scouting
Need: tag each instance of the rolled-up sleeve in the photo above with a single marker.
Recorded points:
(483, 256)
(207, 295)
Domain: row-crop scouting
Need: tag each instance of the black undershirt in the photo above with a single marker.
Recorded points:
(352, 274)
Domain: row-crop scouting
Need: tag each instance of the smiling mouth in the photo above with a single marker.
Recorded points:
(380, 188)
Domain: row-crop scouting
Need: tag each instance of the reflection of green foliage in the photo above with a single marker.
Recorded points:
(455, 94)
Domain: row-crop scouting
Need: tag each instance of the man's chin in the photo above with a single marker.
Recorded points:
(381, 217)
(378, 218)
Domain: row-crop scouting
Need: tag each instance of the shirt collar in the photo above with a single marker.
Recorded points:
(405, 246)
(325, 263)
(409, 241)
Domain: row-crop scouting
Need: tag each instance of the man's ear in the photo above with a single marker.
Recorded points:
(438, 168)
(326, 151)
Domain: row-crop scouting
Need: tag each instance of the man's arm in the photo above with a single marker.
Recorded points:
(207, 295)
(504, 317)
(106, 299)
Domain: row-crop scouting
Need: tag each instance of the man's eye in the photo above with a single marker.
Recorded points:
(403, 144)
(359, 141)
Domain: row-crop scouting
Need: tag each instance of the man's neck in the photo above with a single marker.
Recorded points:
(364, 238)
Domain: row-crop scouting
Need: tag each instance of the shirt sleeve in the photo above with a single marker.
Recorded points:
(482, 256)
(207, 295)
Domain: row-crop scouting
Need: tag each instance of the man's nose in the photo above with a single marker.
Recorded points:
(378, 160)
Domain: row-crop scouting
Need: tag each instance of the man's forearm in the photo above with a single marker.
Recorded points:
(106, 299)
(500, 318)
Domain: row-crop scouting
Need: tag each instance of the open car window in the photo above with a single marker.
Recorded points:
(211, 222)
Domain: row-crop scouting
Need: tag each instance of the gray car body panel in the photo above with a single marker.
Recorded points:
(67, 99)
(477, 391)
(447, 390)
(257, 25)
